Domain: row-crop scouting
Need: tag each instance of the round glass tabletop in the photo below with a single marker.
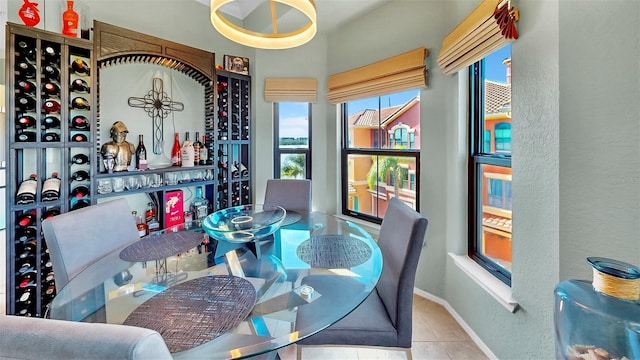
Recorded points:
(244, 223)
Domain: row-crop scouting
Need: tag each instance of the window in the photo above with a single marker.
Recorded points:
(490, 164)
(380, 153)
(292, 151)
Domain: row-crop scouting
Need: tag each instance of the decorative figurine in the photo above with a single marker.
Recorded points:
(120, 150)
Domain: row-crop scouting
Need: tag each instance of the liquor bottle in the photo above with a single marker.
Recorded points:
(80, 192)
(80, 159)
(26, 69)
(51, 54)
(142, 227)
(80, 103)
(79, 137)
(204, 153)
(51, 106)
(51, 137)
(51, 72)
(27, 190)
(80, 67)
(51, 89)
(70, 21)
(26, 50)
(51, 188)
(25, 136)
(176, 156)
(141, 154)
(28, 218)
(26, 86)
(25, 121)
(80, 175)
(199, 205)
(151, 218)
(79, 85)
(25, 102)
(187, 152)
(80, 122)
(51, 122)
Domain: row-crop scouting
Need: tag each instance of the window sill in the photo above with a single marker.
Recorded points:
(496, 288)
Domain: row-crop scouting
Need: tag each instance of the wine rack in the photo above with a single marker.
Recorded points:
(42, 140)
(233, 139)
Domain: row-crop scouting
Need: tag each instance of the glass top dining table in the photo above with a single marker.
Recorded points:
(213, 299)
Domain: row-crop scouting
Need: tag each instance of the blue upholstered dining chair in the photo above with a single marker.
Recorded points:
(81, 238)
(384, 318)
(291, 194)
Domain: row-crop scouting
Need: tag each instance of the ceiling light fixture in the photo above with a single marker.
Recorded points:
(273, 40)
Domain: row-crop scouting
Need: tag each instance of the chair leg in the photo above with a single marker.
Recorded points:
(298, 352)
(408, 352)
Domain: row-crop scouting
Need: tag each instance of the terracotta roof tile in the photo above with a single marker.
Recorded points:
(496, 96)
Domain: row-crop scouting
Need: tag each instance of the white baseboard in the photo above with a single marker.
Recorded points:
(483, 347)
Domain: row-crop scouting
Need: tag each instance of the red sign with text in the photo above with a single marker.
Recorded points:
(173, 209)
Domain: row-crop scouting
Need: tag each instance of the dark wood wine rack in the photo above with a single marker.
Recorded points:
(228, 137)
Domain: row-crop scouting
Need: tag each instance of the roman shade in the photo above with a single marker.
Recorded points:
(402, 72)
(486, 29)
(291, 89)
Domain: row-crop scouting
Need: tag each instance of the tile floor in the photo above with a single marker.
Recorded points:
(436, 336)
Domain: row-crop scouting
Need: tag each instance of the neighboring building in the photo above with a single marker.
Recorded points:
(391, 127)
(496, 199)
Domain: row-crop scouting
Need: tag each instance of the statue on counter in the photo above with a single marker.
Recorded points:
(116, 154)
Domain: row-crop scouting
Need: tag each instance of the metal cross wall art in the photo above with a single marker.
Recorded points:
(158, 105)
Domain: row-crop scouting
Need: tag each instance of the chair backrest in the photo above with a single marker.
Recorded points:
(401, 237)
(79, 238)
(59, 339)
(291, 194)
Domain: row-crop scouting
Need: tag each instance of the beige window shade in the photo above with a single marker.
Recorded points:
(478, 35)
(402, 72)
(291, 89)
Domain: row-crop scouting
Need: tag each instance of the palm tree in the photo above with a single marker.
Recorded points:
(293, 166)
(385, 165)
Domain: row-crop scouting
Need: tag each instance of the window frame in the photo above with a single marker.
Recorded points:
(384, 136)
(278, 151)
(477, 158)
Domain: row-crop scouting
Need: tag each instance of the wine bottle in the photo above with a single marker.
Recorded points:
(51, 72)
(51, 122)
(25, 102)
(25, 234)
(196, 149)
(80, 67)
(187, 152)
(50, 54)
(79, 137)
(51, 188)
(26, 69)
(80, 192)
(141, 154)
(51, 106)
(25, 136)
(79, 102)
(80, 175)
(28, 218)
(25, 121)
(80, 204)
(176, 156)
(79, 85)
(51, 89)
(80, 159)
(55, 211)
(26, 86)
(51, 137)
(244, 172)
(235, 171)
(26, 50)
(80, 122)
(204, 152)
(27, 191)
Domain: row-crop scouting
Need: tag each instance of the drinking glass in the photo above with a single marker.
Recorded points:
(118, 184)
(104, 186)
